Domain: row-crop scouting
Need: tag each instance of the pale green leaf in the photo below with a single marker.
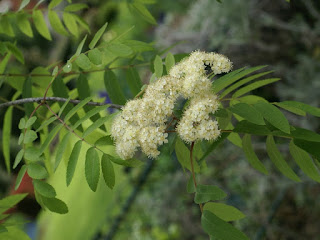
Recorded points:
(54, 3)
(92, 168)
(119, 49)
(71, 24)
(107, 171)
(158, 66)
(95, 56)
(72, 163)
(251, 99)
(40, 24)
(89, 114)
(32, 154)
(37, 171)
(56, 23)
(20, 176)
(30, 136)
(75, 7)
(83, 62)
(10, 201)
(225, 212)
(97, 36)
(68, 67)
(18, 158)
(44, 189)
(169, 62)
(30, 121)
(206, 193)
(24, 25)
(80, 46)
(22, 123)
(5, 26)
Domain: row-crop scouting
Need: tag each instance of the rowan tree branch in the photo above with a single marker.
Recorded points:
(55, 99)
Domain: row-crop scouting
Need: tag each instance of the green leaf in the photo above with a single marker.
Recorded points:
(89, 114)
(253, 86)
(40, 24)
(24, 24)
(128, 163)
(76, 108)
(251, 156)
(97, 36)
(113, 88)
(6, 135)
(30, 136)
(251, 128)
(225, 212)
(143, 12)
(251, 99)
(20, 140)
(61, 148)
(95, 125)
(22, 123)
(72, 163)
(220, 229)
(18, 158)
(183, 156)
(242, 82)
(30, 121)
(71, 24)
(92, 168)
(5, 26)
(56, 23)
(10, 201)
(279, 161)
(304, 161)
(190, 186)
(119, 49)
(20, 176)
(14, 233)
(79, 48)
(55, 205)
(133, 80)
(44, 189)
(83, 61)
(311, 147)
(235, 139)
(54, 3)
(36, 171)
(304, 107)
(15, 51)
(206, 193)
(75, 7)
(103, 141)
(290, 108)
(68, 67)
(138, 46)
(158, 66)
(63, 106)
(107, 171)
(26, 93)
(232, 77)
(169, 62)
(23, 4)
(95, 56)
(305, 134)
(273, 115)
(82, 22)
(50, 137)
(247, 112)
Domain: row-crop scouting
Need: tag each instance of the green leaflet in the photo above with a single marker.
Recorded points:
(8, 202)
(133, 80)
(253, 86)
(169, 62)
(290, 108)
(23, 4)
(40, 24)
(248, 127)
(273, 115)
(232, 77)
(95, 56)
(128, 163)
(89, 115)
(311, 147)
(251, 99)
(76, 108)
(119, 49)
(190, 186)
(55, 205)
(305, 134)
(15, 51)
(183, 156)
(50, 137)
(103, 141)
(95, 125)
(158, 66)
(5, 26)
(30, 136)
(251, 156)
(71, 24)
(17, 159)
(138, 46)
(20, 176)
(44, 189)
(225, 212)
(36, 171)
(56, 23)
(92, 168)
(97, 36)
(26, 93)
(304, 161)
(24, 24)
(30, 121)
(54, 3)
(247, 112)
(242, 82)
(142, 11)
(80, 46)
(83, 62)
(75, 7)
(32, 154)
(206, 193)
(60, 149)
(113, 88)
(279, 161)
(63, 107)
(304, 107)
(72, 163)
(220, 229)
(107, 171)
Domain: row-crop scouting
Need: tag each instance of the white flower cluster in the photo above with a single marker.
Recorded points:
(142, 122)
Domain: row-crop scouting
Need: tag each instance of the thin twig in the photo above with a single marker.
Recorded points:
(55, 99)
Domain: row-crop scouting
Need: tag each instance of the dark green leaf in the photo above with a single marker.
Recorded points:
(253, 86)
(10, 201)
(75, 7)
(251, 156)
(206, 193)
(119, 50)
(97, 36)
(304, 161)
(40, 24)
(279, 161)
(18, 158)
(55, 205)
(128, 163)
(225, 212)
(30, 136)
(104, 141)
(63, 107)
(247, 112)
(113, 88)
(133, 80)
(158, 66)
(44, 189)
(24, 25)
(15, 51)
(71, 24)
(302, 106)
(220, 229)
(61, 148)
(50, 137)
(6, 135)
(83, 62)
(290, 108)
(5, 26)
(92, 168)
(72, 163)
(36, 171)
(20, 176)
(107, 171)
(311, 147)
(251, 128)
(190, 186)
(183, 156)
(273, 115)
(305, 134)
(95, 56)
(56, 23)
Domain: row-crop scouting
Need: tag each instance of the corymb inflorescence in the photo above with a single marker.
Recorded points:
(143, 122)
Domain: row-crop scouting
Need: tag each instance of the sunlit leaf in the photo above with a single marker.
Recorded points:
(40, 24)
(119, 49)
(54, 3)
(56, 23)
(30, 121)
(24, 24)
(71, 24)
(97, 36)
(75, 7)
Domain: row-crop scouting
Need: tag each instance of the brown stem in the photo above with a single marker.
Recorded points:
(193, 174)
